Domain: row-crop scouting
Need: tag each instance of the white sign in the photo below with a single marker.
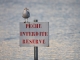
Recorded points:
(34, 34)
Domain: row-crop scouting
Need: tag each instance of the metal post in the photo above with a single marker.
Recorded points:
(35, 53)
(35, 49)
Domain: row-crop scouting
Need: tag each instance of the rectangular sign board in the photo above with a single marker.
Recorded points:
(34, 34)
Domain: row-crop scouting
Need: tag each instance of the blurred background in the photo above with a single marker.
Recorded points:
(64, 29)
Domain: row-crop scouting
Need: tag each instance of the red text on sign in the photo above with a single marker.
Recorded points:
(33, 33)
(33, 25)
(33, 41)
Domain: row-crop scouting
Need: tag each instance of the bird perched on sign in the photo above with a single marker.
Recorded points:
(26, 14)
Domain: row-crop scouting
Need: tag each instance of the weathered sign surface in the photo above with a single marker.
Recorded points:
(34, 34)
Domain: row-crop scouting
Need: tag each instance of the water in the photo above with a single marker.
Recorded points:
(64, 22)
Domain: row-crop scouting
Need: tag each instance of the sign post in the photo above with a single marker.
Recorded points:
(35, 53)
(34, 34)
(35, 49)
